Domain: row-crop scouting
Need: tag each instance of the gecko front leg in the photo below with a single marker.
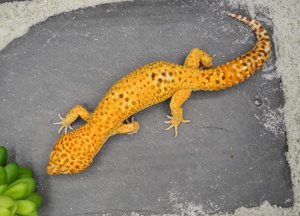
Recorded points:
(196, 59)
(73, 114)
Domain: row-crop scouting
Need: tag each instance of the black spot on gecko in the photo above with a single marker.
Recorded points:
(263, 52)
(153, 76)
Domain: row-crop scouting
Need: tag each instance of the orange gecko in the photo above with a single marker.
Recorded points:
(146, 86)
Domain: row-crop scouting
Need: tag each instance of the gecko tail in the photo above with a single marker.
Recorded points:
(259, 54)
(260, 32)
(237, 70)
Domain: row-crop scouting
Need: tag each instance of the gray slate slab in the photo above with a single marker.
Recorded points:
(230, 155)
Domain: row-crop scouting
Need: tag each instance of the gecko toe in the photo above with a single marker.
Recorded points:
(168, 128)
(176, 131)
(60, 117)
(57, 123)
(129, 121)
(60, 129)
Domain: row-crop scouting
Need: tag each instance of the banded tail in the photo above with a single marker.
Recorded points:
(242, 67)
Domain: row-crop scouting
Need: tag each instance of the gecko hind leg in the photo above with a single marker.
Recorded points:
(72, 115)
(196, 59)
(177, 100)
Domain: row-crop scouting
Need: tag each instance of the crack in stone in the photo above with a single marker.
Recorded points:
(218, 128)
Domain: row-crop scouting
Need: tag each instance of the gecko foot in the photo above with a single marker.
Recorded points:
(64, 124)
(206, 62)
(175, 123)
(130, 127)
(136, 126)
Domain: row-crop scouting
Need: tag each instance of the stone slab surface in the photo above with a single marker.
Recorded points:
(230, 155)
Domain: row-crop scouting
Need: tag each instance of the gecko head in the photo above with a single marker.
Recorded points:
(69, 155)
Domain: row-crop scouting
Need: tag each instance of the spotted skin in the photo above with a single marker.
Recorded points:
(146, 86)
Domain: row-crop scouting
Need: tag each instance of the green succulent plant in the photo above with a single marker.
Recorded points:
(17, 185)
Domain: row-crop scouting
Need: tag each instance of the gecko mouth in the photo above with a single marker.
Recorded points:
(51, 169)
